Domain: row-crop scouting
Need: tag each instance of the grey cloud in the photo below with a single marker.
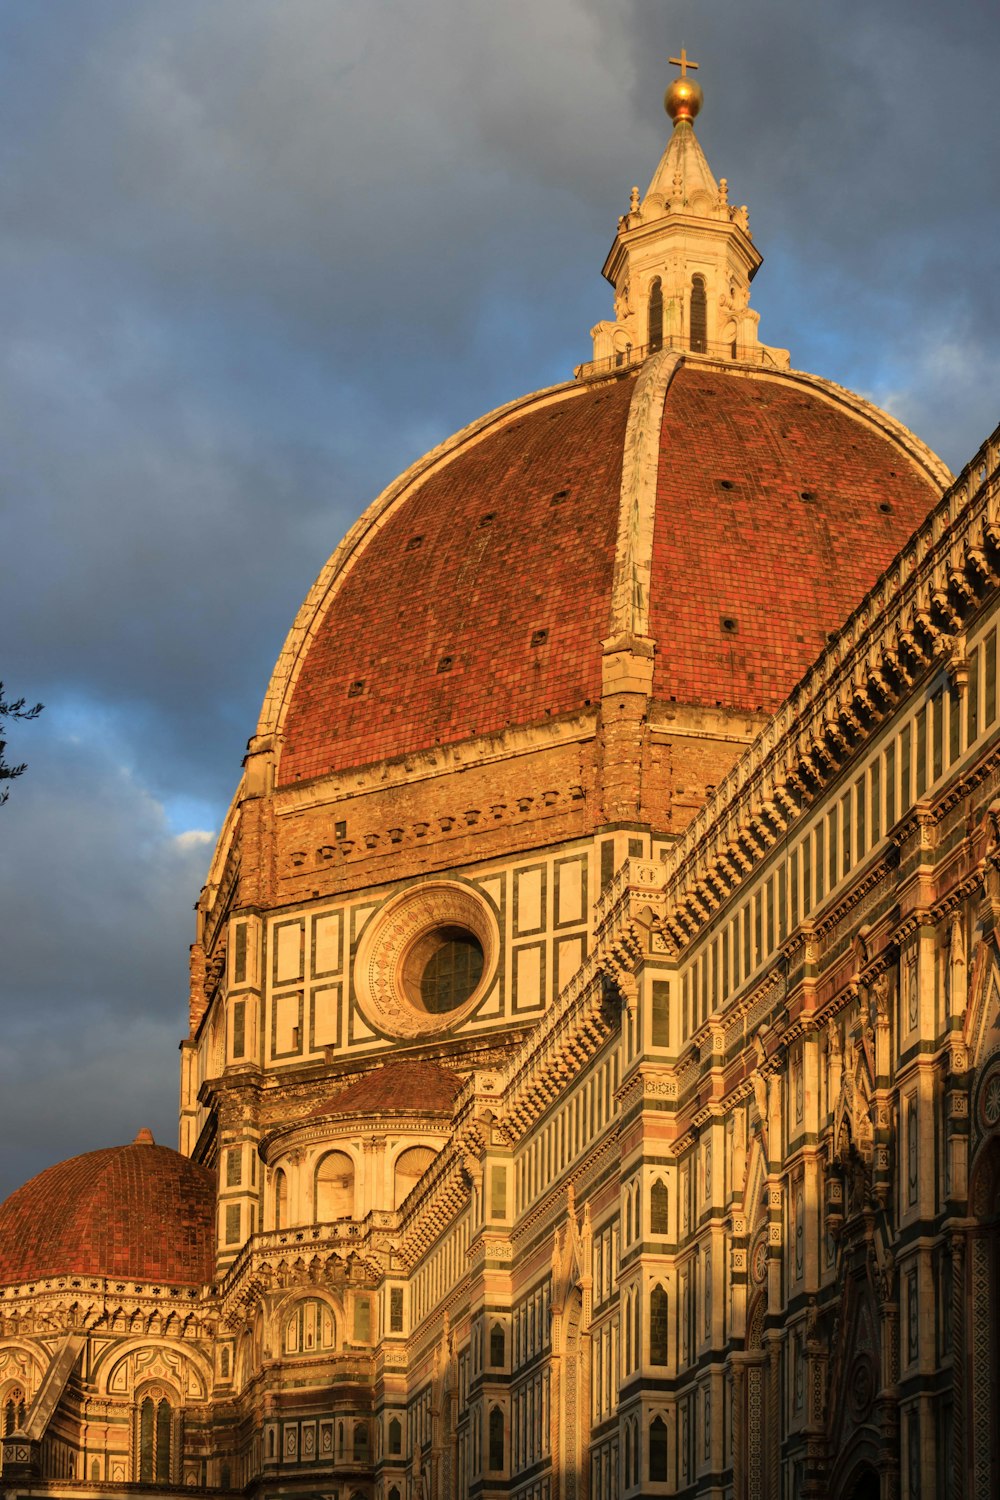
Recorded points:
(96, 897)
(256, 257)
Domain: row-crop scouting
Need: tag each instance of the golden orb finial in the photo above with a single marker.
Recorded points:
(683, 98)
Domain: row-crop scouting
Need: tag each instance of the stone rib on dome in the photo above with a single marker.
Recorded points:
(142, 1212)
(481, 596)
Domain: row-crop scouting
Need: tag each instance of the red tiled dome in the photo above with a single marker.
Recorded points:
(775, 513)
(397, 1088)
(476, 593)
(141, 1212)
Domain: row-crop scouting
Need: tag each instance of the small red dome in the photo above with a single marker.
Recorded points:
(141, 1212)
(423, 1088)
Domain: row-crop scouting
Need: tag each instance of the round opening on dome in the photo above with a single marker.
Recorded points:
(442, 969)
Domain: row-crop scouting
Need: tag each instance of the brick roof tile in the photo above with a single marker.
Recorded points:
(775, 512)
(402, 1087)
(475, 591)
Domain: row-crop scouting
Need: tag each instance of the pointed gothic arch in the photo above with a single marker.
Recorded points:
(308, 1327)
(979, 1338)
(659, 1325)
(327, 1307)
(659, 1222)
(157, 1430)
(13, 1408)
(658, 1450)
(123, 1367)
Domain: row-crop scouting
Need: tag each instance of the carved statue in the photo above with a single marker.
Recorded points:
(879, 996)
(623, 302)
(760, 1094)
(812, 1323)
(992, 827)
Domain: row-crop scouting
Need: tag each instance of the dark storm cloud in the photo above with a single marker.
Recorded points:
(96, 897)
(255, 257)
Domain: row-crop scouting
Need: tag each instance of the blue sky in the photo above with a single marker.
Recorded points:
(254, 258)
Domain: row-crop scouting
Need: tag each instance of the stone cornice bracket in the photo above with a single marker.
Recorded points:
(628, 651)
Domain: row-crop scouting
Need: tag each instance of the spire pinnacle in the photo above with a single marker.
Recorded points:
(684, 97)
(683, 62)
(683, 258)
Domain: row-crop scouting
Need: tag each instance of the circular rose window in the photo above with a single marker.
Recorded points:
(426, 959)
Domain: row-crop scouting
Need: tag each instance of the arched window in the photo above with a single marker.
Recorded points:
(216, 1046)
(655, 339)
(154, 1438)
(658, 1207)
(496, 1439)
(308, 1328)
(628, 1459)
(410, 1167)
(658, 1326)
(360, 1442)
(13, 1411)
(497, 1346)
(628, 1336)
(334, 1187)
(658, 1449)
(636, 1338)
(395, 1435)
(393, 1493)
(280, 1200)
(699, 316)
(637, 1209)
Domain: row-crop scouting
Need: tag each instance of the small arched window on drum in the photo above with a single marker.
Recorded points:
(658, 1222)
(699, 316)
(280, 1200)
(655, 340)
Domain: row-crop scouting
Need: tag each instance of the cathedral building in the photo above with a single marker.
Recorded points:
(592, 1086)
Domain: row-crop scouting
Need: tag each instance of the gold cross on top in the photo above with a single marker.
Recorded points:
(683, 62)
